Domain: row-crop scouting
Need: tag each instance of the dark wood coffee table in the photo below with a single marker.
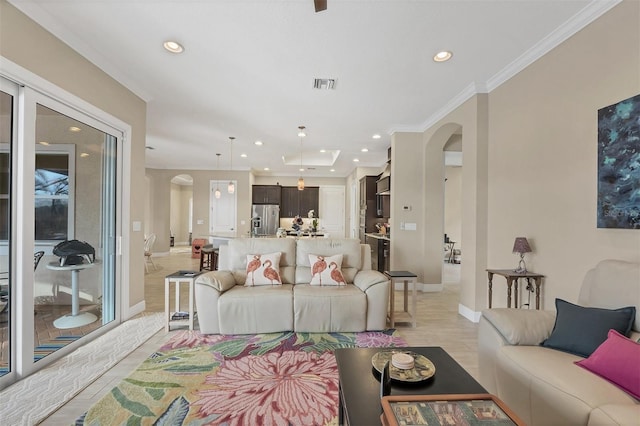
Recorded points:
(359, 396)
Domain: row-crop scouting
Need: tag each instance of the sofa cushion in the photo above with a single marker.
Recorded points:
(580, 330)
(326, 270)
(617, 360)
(329, 309)
(610, 284)
(261, 309)
(239, 248)
(263, 269)
(544, 386)
(349, 248)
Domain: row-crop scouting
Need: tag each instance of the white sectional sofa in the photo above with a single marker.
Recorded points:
(543, 385)
(226, 306)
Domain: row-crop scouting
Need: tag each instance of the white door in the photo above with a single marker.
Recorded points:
(332, 210)
(222, 215)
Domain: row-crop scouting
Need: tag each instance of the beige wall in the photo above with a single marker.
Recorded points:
(452, 204)
(179, 207)
(530, 169)
(543, 154)
(30, 46)
(160, 201)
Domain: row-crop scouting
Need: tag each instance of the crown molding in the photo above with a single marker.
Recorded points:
(41, 17)
(466, 93)
(587, 15)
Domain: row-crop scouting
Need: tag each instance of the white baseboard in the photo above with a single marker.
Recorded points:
(468, 313)
(134, 310)
(161, 253)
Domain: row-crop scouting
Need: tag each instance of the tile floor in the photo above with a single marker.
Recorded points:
(438, 324)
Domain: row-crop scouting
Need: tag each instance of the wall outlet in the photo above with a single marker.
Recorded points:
(200, 222)
(242, 222)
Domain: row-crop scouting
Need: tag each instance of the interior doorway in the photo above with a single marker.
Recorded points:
(452, 239)
(181, 211)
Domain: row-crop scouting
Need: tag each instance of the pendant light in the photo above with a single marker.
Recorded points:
(301, 134)
(231, 188)
(217, 193)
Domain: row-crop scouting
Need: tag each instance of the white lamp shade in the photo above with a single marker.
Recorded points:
(217, 194)
(231, 188)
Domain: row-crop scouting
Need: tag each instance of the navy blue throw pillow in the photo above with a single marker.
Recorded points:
(580, 330)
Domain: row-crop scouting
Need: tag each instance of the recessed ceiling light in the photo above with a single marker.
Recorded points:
(266, 169)
(355, 160)
(301, 169)
(173, 46)
(332, 170)
(376, 136)
(74, 129)
(243, 155)
(442, 56)
(44, 143)
(84, 154)
(323, 151)
(259, 143)
(364, 150)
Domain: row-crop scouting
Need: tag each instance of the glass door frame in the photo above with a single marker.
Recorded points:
(32, 89)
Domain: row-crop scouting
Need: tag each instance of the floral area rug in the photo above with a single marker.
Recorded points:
(196, 379)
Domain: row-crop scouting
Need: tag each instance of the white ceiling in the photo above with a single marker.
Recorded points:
(248, 69)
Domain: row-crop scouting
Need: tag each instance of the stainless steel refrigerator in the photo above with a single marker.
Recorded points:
(265, 219)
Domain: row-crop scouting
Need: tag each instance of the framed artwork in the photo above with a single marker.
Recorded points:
(619, 165)
(444, 410)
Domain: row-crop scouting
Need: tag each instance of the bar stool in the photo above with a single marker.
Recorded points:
(208, 258)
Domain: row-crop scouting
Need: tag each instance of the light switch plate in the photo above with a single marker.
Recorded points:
(136, 225)
(200, 222)
(410, 226)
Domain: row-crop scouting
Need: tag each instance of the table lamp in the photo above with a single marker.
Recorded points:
(521, 245)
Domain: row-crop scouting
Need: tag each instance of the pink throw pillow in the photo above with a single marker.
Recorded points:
(617, 360)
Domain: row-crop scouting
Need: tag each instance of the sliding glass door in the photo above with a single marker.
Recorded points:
(58, 260)
(8, 102)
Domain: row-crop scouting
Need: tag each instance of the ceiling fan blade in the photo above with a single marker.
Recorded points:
(320, 5)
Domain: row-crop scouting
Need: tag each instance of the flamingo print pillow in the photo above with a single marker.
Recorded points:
(263, 269)
(326, 270)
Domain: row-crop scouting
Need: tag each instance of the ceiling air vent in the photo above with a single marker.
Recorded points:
(324, 83)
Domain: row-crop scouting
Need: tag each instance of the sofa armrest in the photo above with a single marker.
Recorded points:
(367, 278)
(521, 326)
(218, 280)
(615, 414)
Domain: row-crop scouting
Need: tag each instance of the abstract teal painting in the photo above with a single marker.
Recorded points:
(619, 165)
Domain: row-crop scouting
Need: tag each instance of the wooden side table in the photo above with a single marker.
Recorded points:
(405, 277)
(176, 278)
(511, 277)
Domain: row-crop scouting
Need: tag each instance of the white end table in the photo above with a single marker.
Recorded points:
(76, 318)
(178, 277)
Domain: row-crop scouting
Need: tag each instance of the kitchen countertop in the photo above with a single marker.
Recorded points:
(378, 236)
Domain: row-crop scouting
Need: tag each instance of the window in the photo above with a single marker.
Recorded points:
(53, 192)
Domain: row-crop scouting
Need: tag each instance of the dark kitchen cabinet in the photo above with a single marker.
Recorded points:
(266, 194)
(295, 202)
(368, 211)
